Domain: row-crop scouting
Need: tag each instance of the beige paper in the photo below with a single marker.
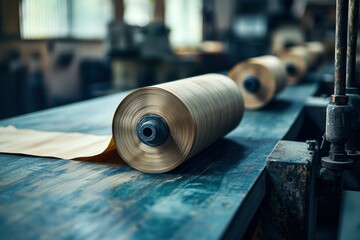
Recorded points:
(75, 146)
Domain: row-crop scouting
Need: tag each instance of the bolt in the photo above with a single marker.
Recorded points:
(312, 144)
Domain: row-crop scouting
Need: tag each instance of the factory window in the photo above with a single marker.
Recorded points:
(44, 19)
(184, 18)
(138, 12)
(88, 19)
(84, 19)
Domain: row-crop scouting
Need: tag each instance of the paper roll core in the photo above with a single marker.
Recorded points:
(152, 130)
(251, 84)
(291, 69)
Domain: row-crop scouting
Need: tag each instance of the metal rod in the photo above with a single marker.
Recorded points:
(159, 15)
(119, 9)
(340, 47)
(351, 44)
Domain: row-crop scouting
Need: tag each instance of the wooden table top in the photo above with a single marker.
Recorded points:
(213, 195)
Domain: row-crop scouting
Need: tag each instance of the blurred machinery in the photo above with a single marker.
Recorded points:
(307, 179)
(140, 56)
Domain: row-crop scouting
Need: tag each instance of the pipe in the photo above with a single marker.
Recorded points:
(351, 45)
(339, 112)
(159, 15)
(351, 89)
(340, 47)
(119, 9)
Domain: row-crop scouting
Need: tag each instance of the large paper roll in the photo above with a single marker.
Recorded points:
(154, 128)
(196, 112)
(297, 62)
(259, 80)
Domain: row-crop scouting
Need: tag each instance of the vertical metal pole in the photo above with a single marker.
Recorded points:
(119, 8)
(339, 112)
(351, 89)
(340, 47)
(159, 15)
(351, 46)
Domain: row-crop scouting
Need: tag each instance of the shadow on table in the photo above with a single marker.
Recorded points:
(219, 157)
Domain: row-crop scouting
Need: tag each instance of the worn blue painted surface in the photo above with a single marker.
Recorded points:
(43, 198)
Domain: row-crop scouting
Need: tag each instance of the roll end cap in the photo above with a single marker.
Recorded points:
(152, 130)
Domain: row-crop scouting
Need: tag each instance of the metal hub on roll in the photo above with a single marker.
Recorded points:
(291, 69)
(251, 84)
(152, 130)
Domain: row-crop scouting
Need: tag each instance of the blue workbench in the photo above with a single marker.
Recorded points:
(213, 195)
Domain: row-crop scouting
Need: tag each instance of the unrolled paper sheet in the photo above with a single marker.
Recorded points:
(75, 146)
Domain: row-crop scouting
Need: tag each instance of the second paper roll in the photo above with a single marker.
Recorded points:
(259, 79)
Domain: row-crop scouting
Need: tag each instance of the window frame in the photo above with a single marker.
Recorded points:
(69, 37)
